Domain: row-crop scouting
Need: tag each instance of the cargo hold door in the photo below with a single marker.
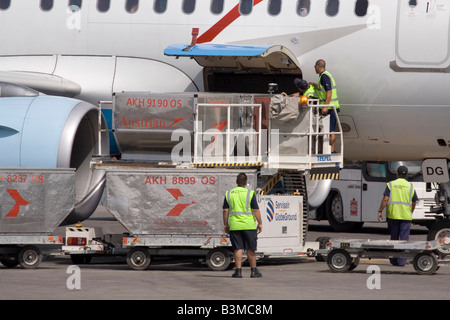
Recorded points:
(245, 69)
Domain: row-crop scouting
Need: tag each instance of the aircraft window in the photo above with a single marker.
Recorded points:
(361, 7)
(274, 7)
(4, 4)
(245, 6)
(188, 6)
(303, 7)
(216, 6)
(46, 5)
(75, 5)
(332, 8)
(160, 6)
(131, 6)
(103, 5)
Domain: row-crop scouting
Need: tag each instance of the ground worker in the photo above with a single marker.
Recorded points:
(399, 199)
(240, 210)
(326, 90)
(304, 88)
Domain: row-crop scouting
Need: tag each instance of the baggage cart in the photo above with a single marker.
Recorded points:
(344, 254)
(178, 212)
(32, 206)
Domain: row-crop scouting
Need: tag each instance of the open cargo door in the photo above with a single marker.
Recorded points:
(244, 69)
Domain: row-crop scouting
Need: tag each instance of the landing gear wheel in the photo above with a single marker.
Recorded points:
(30, 257)
(339, 260)
(425, 263)
(138, 258)
(218, 259)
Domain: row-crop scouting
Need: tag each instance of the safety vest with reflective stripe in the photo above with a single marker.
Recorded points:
(322, 93)
(241, 216)
(399, 206)
(311, 93)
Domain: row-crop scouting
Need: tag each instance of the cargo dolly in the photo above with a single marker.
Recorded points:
(344, 254)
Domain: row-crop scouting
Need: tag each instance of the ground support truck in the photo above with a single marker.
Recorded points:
(33, 204)
(178, 212)
(355, 197)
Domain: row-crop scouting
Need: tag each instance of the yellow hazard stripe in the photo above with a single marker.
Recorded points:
(232, 165)
(324, 176)
(77, 229)
(275, 179)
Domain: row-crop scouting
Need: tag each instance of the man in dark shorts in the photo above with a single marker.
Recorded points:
(240, 210)
(327, 92)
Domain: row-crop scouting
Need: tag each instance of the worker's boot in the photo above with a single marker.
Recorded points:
(237, 273)
(255, 273)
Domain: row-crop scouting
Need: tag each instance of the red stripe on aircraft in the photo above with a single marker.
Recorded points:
(214, 31)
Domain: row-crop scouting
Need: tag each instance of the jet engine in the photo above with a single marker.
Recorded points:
(55, 132)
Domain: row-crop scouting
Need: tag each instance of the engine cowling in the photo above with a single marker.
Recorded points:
(55, 132)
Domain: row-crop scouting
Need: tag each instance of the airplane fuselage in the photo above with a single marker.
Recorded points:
(391, 62)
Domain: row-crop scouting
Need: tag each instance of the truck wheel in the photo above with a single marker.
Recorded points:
(138, 258)
(335, 214)
(354, 264)
(425, 263)
(339, 260)
(218, 259)
(439, 230)
(30, 257)
(10, 261)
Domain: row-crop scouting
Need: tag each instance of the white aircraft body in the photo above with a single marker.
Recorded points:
(390, 59)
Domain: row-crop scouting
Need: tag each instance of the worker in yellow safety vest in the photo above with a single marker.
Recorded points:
(240, 210)
(399, 199)
(327, 92)
(304, 89)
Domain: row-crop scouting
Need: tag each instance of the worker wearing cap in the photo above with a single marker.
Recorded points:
(240, 210)
(327, 92)
(304, 88)
(399, 199)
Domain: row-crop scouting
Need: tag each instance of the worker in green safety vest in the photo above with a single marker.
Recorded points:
(327, 92)
(399, 199)
(304, 88)
(240, 211)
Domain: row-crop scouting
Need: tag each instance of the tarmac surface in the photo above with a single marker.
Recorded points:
(178, 280)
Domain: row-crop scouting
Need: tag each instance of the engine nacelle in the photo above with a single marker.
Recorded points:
(55, 132)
